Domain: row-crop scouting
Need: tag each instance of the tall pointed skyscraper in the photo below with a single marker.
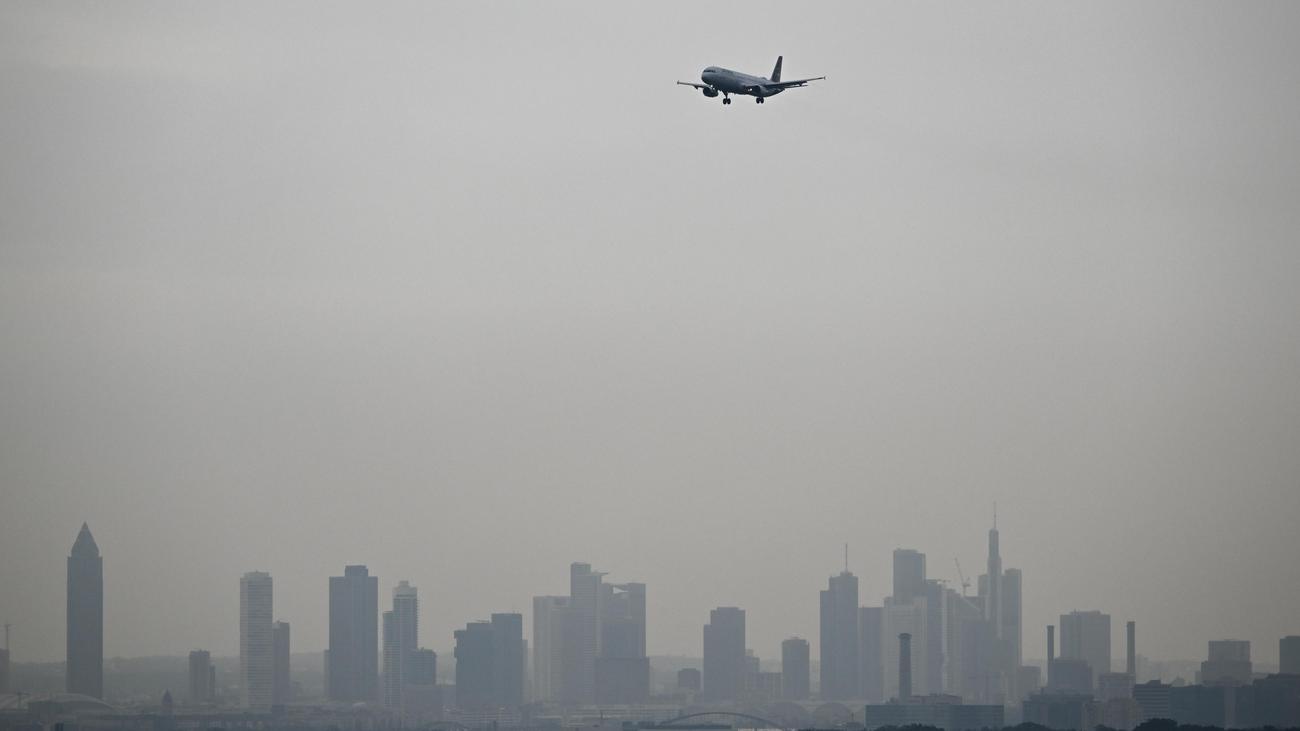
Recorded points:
(993, 600)
(85, 668)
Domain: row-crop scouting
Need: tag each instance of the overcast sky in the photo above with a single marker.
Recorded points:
(466, 292)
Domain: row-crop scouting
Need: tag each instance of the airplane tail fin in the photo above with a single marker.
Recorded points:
(776, 72)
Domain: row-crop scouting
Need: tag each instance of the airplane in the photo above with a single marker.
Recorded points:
(718, 80)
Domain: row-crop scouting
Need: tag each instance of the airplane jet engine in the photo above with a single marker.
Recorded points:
(710, 93)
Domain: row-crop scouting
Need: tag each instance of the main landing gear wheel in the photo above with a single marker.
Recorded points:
(726, 100)
(758, 100)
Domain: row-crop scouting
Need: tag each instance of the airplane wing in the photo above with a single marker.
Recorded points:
(790, 84)
(697, 86)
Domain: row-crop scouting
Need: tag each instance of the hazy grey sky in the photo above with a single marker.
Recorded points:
(466, 292)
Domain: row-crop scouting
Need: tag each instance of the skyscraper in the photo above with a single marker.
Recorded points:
(1086, 636)
(548, 642)
(201, 677)
(256, 643)
(281, 687)
(993, 597)
(622, 668)
(595, 633)
(1288, 653)
(870, 628)
(840, 658)
(401, 639)
(909, 574)
(1011, 611)
(795, 670)
(905, 618)
(724, 654)
(582, 633)
(352, 661)
(85, 665)
(1228, 663)
(490, 663)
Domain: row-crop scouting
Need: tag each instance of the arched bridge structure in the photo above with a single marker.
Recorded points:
(759, 721)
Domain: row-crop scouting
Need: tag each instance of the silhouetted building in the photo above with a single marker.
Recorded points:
(840, 658)
(281, 687)
(1130, 650)
(1288, 653)
(622, 667)
(1152, 699)
(1086, 636)
(401, 638)
(909, 574)
(5, 682)
(352, 660)
(1270, 701)
(936, 628)
(580, 643)
(904, 667)
(622, 680)
(1062, 711)
(85, 618)
(870, 632)
(688, 679)
(724, 654)
(202, 677)
(761, 686)
(905, 617)
(795, 670)
(1203, 705)
(993, 589)
(1228, 663)
(490, 663)
(256, 644)
(1071, 675)
(940, 711)
(597, 633)
(1110, 686)
(549, 615)
(420, 693)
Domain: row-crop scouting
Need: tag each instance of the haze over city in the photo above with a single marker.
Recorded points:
(466, 293)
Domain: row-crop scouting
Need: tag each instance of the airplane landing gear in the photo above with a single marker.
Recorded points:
(726, 100)
(758, 100)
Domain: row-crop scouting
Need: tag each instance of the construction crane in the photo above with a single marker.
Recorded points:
(965, 585)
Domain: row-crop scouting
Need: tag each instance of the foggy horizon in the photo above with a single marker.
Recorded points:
(466, 293)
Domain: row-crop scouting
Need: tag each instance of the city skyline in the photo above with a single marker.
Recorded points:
(909, 575)
(292, 296)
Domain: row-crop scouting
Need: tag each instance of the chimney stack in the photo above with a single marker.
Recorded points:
(1131, 668)
(904, 667)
